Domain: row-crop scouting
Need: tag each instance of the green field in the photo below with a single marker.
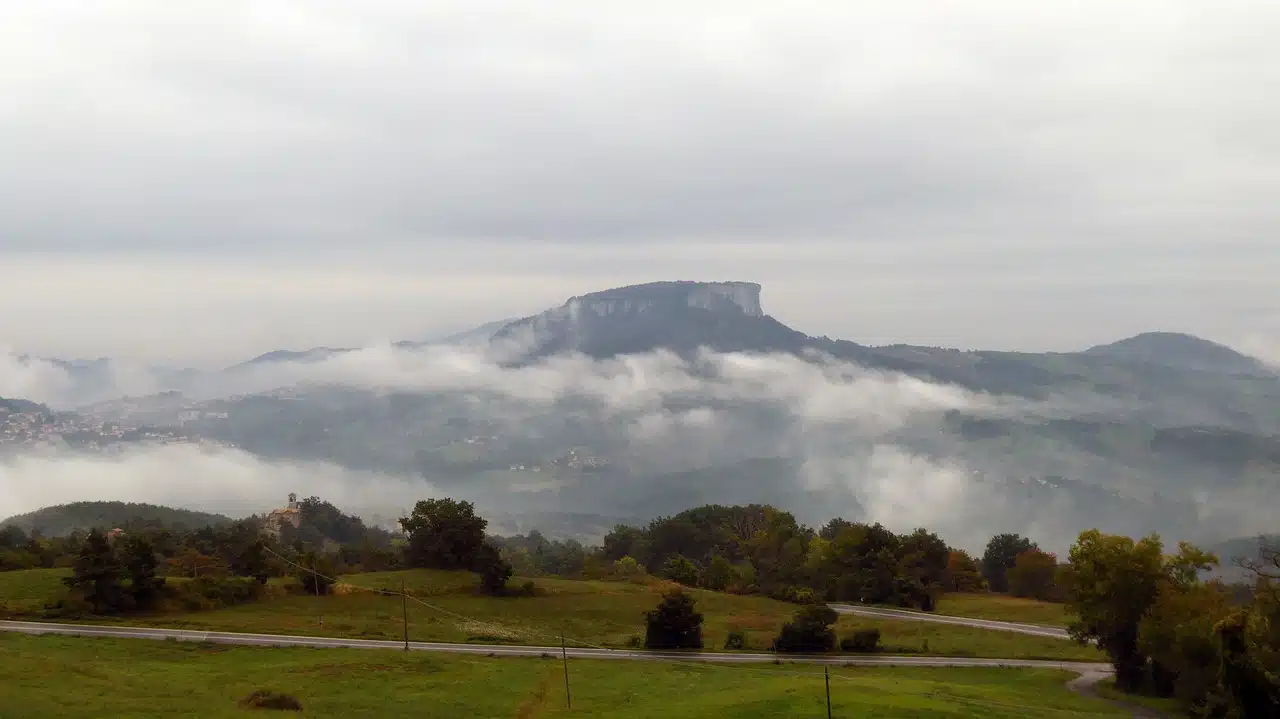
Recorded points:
(1004, 608)
(143, 678)
(589, 613)
(28, 590)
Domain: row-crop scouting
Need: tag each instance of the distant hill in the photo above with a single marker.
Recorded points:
(315, 354)
(1232, 550)
(65, 518)
(20, 406)
(1173, 349)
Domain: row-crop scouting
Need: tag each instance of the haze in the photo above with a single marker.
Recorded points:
(200, 182)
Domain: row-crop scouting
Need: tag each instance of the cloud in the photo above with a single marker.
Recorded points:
(245, 176)
(212, 480)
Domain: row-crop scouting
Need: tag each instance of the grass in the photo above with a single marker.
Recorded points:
(28, 590)
(1002, 607)
(1169, 707)
(587, 612)
(144, 678)
(901, 636)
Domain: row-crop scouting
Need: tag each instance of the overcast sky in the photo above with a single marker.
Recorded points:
(198, 182)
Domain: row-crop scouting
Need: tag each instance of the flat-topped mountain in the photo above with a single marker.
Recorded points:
(676, 316)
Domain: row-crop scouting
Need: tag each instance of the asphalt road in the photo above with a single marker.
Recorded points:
(278, 640)
(881, 613)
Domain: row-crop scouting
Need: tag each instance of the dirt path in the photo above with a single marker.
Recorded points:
(1087, 684)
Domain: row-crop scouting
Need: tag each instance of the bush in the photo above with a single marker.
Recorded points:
(493, 569)
(674, 624)
(736, 640)
(214, 592)
(795, 595)
(265, 699)
(810, 631)
(680, 569)
(863, 641)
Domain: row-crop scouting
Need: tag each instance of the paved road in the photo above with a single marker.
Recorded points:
(278, 640)
(881, 613)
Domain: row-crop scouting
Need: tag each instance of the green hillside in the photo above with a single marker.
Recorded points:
(63, 519)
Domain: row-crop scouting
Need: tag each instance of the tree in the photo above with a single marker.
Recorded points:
(627, 568)
(12, 537)
(719, 574)
(251, 561)
(675, 624)
(1002, 552)
(1113, 582)
(1033, 575)
(963, 573)
(315, 573)
(680, 569)
(1177, 633)
(810, 631)
(444, 534)
(138, 555)
(494, 571)
(96, 574)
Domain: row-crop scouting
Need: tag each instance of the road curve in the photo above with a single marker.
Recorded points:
(280, 640)
(883, 613)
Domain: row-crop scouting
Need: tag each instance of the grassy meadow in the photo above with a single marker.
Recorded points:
(144, 678)
(1004, 608)
(445, 608)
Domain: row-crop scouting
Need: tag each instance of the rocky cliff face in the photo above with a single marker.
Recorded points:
(672, 315)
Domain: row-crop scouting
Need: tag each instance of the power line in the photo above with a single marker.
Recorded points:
(689, 663)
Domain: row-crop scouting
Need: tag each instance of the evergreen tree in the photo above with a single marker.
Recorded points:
(674, 624)
(96, 575)
(140, 561)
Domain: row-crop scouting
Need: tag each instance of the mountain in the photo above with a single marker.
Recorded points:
(1157, 432)
(676, 316)
(65, 518)
(315, 354)
(1173, 349)
(21, 406)
(473, 337)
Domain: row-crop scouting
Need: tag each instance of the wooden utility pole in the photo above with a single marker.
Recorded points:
(826, 671)
(404, 609)
(564, 655)
(315, 582)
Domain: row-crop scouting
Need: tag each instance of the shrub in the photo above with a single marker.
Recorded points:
(680, 569)
(809, 631)
(863, 641)
(736, 640)
(674, 624)
(265, 699)
(214, 592)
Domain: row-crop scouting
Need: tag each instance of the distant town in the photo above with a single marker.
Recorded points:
(36, 426)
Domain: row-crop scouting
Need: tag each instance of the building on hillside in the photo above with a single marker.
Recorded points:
(290, 514)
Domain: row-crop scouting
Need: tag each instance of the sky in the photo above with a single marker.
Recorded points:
(200, 182)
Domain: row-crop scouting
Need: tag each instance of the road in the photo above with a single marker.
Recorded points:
(882, 613)
(279, 640)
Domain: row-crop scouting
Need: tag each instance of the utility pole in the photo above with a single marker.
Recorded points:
(564, 654)
(826, 671)
(404, 609)
(315, 582)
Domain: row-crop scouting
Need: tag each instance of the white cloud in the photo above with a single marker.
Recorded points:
(220, 480)
(204, 181)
